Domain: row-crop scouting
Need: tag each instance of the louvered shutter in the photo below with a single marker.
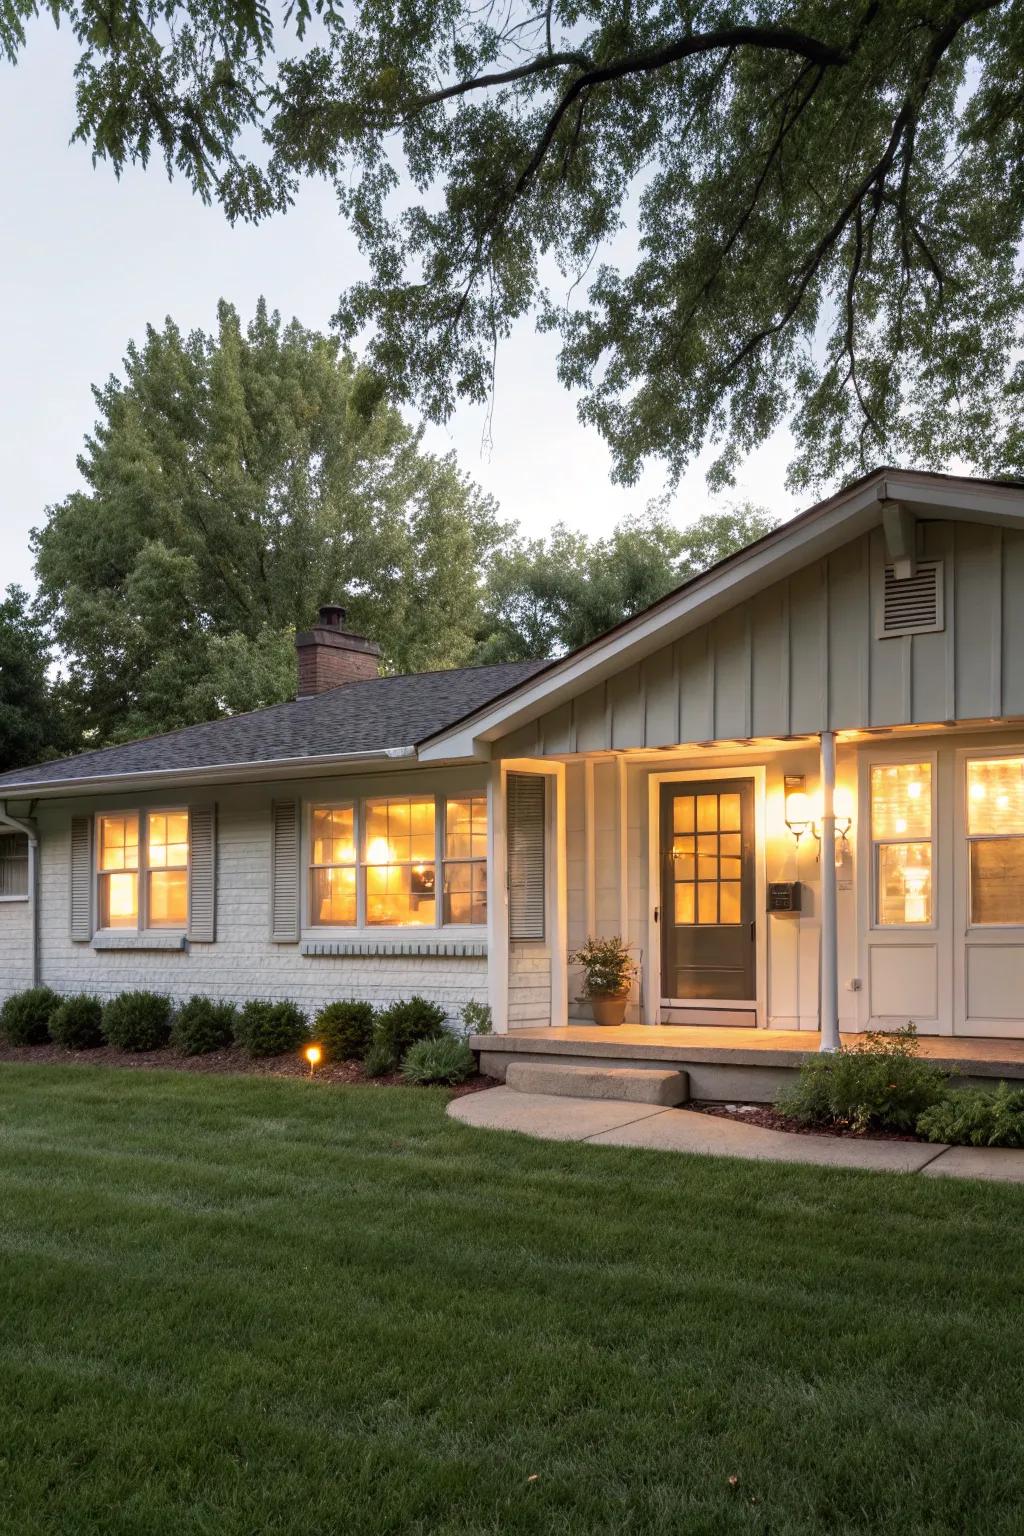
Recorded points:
(81, 878)
(284, 877)
(525, 794)
(202, 873)
(913, 605)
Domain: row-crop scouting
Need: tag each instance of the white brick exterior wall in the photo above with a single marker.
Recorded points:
(15, 947)
(243, 962)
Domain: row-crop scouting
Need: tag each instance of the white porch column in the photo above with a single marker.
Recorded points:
(497, 901)
(829, 1003)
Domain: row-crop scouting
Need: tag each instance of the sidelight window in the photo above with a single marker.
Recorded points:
(901, 833)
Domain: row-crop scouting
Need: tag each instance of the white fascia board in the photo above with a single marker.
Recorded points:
(269, 771)
(793, 546)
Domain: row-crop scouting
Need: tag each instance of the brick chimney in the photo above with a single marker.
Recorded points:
(329, 654)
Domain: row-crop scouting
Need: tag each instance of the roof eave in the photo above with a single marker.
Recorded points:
(266, 770)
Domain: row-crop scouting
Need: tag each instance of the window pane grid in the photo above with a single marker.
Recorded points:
(375, 861)
(901, 831)
(143, 854)
(707, 862)
(995, 829)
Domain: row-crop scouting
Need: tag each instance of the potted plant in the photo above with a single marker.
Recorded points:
(607, 976)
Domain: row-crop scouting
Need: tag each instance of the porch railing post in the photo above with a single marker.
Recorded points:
(829, 1001)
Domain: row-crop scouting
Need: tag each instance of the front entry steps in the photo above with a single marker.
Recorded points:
(629, 1085)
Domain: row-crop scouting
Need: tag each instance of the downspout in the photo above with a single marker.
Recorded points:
(30, 832)
(829, 1008)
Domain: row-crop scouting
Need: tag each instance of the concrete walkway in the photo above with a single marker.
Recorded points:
(614, 1122)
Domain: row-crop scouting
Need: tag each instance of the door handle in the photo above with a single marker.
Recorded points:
(753, 931)
(657, 914)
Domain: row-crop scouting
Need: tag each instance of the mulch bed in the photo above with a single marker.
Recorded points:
(233, 1060)
(769, 1119)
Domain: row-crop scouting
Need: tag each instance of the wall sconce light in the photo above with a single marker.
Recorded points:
(799, 816)
(803, 815)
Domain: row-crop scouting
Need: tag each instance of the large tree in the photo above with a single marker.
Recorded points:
(546, 596)
(31, 716)
(734, 213)
(234, 482)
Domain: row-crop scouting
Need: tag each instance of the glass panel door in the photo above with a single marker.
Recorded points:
(708, 888)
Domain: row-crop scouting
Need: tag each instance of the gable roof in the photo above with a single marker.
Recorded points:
(804, 539)
(384, 717)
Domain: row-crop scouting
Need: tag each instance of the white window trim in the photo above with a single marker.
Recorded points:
(22, 896)
(964, 756)
(142, 926)
(896, 759)
(361, 929)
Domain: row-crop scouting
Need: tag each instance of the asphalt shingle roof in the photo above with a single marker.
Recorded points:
(370, 716)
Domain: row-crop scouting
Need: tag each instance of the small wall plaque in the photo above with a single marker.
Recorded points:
(784, 896)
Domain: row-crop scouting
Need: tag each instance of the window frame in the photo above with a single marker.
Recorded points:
(980, 755)
(144, 869)
(362, 928)
(903, 759)
(15, 837)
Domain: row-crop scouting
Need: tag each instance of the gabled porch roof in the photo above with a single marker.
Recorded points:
(810, 536)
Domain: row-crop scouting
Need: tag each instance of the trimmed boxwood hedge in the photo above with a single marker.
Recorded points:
(138, 1021)
(202, 1025)
(25, 1016)
(345, 1030)
(402, 1025)
(270, 1029)
(78, 1023)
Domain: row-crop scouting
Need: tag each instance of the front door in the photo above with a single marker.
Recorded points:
(707, 892)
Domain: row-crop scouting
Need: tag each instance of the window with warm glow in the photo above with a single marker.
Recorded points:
(465, 860)
(400, 854)
(901, 829)
(167, 869)
(143, 855)
(995, 833)
(375, 862)
(333, 866)
(118, 857)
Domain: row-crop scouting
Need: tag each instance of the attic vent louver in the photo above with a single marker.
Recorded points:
(912, 606)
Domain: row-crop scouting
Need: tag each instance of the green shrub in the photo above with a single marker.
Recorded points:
(970, 1117)
(25, 1016)
(345, 1030)
(202, 1025)
(378, 1060)
(270, 1029)
(477, 1019)
(77, 1023)
(877, 1084)
(445, 1060)
(403, 1024)
(138, 1021)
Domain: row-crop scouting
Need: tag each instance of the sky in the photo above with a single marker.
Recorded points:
(87, 261)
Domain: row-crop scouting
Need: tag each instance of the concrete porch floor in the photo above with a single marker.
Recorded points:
(728, 1063)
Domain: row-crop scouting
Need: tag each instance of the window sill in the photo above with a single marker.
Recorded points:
(109, 938)
(452, 943)
(4, 899)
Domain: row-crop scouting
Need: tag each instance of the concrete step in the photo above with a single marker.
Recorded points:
(632, 1085)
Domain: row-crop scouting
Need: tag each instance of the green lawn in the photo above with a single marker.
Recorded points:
(246, 1306)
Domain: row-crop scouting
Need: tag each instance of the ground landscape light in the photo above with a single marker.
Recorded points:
(313, 1055)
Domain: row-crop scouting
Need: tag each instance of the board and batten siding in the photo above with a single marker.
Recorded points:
(243, 961)
(803, 656)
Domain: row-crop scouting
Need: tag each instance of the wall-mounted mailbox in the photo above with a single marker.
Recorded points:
(784, 896)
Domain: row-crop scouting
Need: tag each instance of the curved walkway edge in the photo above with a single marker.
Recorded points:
(613, 1122)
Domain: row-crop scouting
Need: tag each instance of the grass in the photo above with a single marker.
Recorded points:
(250, 1306)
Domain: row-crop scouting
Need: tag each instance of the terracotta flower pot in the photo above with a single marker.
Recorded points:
(608, 1008)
